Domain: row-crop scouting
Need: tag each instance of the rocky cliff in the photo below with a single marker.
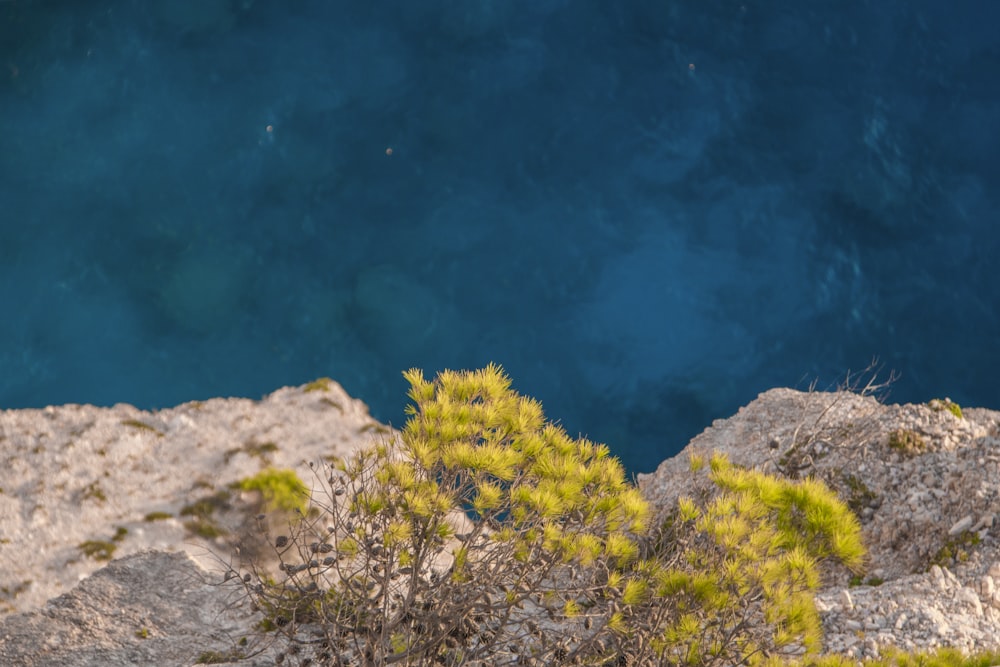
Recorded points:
(154, 491)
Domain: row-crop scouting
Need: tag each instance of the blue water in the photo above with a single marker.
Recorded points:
(648, 212)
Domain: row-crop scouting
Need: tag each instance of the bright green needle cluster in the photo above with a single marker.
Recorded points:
(442, 544)
(732, 580)
(474, 445)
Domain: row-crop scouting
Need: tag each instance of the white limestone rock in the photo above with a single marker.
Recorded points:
(150, 608)
(76, 473)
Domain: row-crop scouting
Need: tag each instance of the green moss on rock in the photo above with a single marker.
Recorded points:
(281, 489)
(319, 384)
(939, 404)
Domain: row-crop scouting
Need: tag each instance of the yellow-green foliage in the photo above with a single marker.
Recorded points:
(478, 509)
(858, 580)
(448, 543)
(98, 549)
(219, 657)
(734, 579)
(319, 384)
(472, 443)
(938, 404)
(101, 549)
(806, 513)
(281, 489)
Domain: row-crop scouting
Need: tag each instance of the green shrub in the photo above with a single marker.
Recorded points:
(731, 579)
(484, 534)
(858, 580)
(101, 549)
(451, 542)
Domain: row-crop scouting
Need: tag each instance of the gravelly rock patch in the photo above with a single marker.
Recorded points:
(149, 608)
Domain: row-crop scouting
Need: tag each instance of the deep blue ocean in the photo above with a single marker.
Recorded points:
(647, 211)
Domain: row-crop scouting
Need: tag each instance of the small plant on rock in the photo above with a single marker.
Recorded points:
(103, 550)
(956, 550)
(939, 404)
(281, 489)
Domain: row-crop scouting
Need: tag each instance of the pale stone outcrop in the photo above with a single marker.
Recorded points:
(924, 482)
(78, 473)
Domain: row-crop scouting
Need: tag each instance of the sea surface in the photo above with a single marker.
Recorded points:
(647, 211)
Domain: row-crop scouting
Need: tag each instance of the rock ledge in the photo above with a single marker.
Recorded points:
(925, 483)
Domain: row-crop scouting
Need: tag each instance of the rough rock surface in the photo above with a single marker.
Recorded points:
(925, 483)
(150, 608)
(78, 473)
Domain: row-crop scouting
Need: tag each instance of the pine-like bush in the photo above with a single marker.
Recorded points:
(730, 580)
(459, 541)
(484, 534)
